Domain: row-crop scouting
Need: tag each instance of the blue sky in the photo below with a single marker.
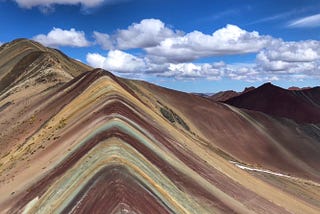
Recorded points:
(194, 46)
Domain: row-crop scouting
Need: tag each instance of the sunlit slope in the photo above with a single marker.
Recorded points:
(248, 136)
(28, 51)
(110, 148)
(30, 74)
(92, 142)
(26, 65)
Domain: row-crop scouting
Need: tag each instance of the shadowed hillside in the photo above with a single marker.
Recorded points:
(303, 106)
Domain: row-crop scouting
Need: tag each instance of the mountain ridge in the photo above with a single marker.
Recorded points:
(303, 106)
(101, 143)
(24, 56)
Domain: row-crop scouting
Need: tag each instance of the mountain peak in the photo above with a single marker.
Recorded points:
(25, 64)
(269, 85)
(301, 106)
(22, 43)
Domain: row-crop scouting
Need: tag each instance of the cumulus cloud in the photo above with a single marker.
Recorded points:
(49, 3)
(58, 37)
(175, 46)
(248, 72)
(309, 21)
(171, 53)
(103, 40)
(125, 63)
(291, 57)
(284, 60)
(266, 68)
(303, 51)
(229, 40)
(194, 70)
(117, 61)
(147, 33)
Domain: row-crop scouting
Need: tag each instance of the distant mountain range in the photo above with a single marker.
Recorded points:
(74, 139)
(299, 104)
(226, 95)
(303, 106)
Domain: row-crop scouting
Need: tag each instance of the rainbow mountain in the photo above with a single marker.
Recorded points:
(74, 139)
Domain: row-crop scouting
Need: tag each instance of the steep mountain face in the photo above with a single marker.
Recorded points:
(26, 63)
(303, 106)
(29, 73)
(102, 144)
(250, 136)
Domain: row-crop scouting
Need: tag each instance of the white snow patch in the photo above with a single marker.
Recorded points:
(259, 170)
(30, 205)
(241, 166)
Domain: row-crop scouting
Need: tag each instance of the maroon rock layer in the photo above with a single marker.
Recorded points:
(303, 106)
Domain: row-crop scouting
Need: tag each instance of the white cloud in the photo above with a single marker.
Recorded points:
(147, 33)
(248, 72)
(158, 40)
(309, 21)
(49, 3)
(96, 60)
(103, 40)
(193, 71)
(283, 60)
(125, 63)
(303, 51)
(291, 57)
(229, 40)
(171, 53)
(58, 37)
(117, 61)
